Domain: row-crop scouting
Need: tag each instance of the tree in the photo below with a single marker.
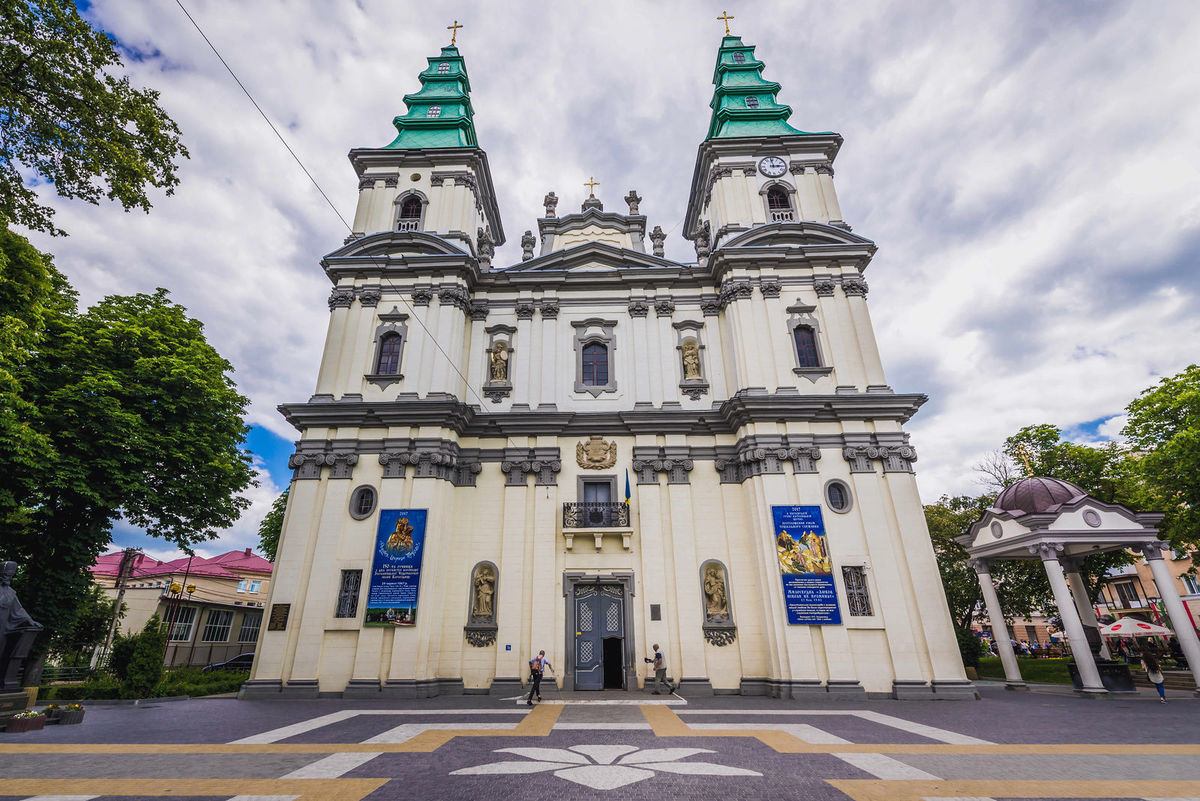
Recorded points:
(140, 421)
(145, 668)
(1164, 428)
(66, 118)
(88, 628)
(272, 526)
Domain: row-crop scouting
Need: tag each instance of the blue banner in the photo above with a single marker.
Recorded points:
(808, 590)
(396, 573)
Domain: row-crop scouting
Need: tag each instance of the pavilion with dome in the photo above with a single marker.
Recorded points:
(1060, 524)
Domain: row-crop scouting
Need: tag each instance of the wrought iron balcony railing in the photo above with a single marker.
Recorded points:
(595, 515)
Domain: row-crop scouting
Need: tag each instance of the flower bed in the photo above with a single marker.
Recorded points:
(25, 721)
(65, 715)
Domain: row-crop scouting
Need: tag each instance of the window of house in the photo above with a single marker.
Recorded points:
(362, 502)
(1128, 594)
(444, 68)
(837, 494)
(739, 58)
(806, 346)
(347, 605)
(242, 585)
(216, 629)
(858, 598)
(1191, 584)
(254, 585)
(389, 354)
(180, 622)
(434, 111)
(251, 623)
(595, 365)
(751, 102)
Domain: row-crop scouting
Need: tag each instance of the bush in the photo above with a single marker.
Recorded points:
(120, 653)
(194, 682)
(97, 687)
(970, 646)
(145, 668)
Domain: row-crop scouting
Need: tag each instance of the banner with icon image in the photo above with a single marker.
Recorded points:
(396, 572)
(809, 593)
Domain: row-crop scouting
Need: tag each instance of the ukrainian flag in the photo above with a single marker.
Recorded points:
(626, 485)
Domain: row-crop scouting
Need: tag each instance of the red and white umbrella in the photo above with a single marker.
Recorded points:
(1132, 627)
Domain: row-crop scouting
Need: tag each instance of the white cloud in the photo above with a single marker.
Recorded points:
(1028, 171)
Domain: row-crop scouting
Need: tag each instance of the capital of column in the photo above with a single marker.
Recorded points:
(1046, 551)
(1153, 550)
(980, 565)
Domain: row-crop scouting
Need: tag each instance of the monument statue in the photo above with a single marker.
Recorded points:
(485, 589)
(716, 599)
(17, 631)
(691, 360)
(551, 203)
(498, 357)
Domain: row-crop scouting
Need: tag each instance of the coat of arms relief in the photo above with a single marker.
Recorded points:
(596, 454)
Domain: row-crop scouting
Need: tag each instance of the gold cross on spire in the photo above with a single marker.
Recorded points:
(725, 18)
(592, 184)
(454, 31)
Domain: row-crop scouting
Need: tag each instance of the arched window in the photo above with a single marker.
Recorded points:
(751, 102)
(739, 58)
(389, 354)
(779, 204)
(806, 346)
(595, 365)
(410, 214)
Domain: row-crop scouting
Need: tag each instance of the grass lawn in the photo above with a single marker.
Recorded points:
(1041, 671)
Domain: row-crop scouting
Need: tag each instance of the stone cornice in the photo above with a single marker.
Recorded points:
(727, 418)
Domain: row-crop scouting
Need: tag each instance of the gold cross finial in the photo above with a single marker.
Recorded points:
(1022, 452)
(725, 18)
(592, 184)
(453, 32)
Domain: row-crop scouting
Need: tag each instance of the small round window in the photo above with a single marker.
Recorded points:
(837, 495)
(362, 502)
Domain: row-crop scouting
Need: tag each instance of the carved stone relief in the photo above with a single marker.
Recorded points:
(596, 454)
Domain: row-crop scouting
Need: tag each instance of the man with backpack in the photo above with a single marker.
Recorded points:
(537, 668)
(659, 663)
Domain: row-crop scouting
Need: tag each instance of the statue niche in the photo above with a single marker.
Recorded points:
(498, 362)
(691, 360)
(17, 631)
(718, 620)
(480, 630)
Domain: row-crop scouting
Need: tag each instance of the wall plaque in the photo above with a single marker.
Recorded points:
(279, 617)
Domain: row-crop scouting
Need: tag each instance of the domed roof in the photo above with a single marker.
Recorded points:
(1031, 495)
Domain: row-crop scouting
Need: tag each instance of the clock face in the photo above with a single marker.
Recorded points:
(772, 166)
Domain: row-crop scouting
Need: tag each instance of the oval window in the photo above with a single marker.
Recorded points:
(837, 495)
(362, 502)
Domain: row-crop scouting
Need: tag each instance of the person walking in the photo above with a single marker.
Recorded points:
(659, 661)
(1154, 674)
(537, 668)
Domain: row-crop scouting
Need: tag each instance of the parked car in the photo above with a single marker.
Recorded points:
(239, 662)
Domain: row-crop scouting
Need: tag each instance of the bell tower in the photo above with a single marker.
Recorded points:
(433, 177)
(753, 167)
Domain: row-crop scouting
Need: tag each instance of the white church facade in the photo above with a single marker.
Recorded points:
(597, 448)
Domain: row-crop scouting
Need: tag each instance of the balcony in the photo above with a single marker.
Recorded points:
(596, 520)
(408, 225)
(783, 215)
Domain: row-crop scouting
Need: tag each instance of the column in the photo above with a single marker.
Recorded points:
(1083, 602)
(1180, 620)
(1070, 617)
(1012, 671)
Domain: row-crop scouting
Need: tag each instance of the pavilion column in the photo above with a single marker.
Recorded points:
(1185, 633)
(1083, 601)
(1012, 671)
(1076, 637)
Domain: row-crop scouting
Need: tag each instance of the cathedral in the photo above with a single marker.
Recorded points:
(597, 449)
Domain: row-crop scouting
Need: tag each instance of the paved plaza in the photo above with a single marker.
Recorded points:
(1037, 745)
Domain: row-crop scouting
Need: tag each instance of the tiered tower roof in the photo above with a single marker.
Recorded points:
(744, 103)
(440, 113)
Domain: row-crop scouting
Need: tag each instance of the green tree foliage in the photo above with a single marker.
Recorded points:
(135, 416)
(120, 653)
(1164, 428)
(272, 526)
(145, 668)
(68, 120)
(73, 643)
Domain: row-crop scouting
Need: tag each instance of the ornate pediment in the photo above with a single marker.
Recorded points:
(593, 257)
(803, 233)
(388, 244)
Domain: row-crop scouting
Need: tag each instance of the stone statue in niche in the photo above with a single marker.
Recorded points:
(498, 360)
(483, 592)
(691, 360)
(716, 598)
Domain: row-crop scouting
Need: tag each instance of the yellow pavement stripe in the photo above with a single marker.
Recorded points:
(306, 789)
(878, 790)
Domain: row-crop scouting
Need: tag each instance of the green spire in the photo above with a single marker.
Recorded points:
(743, 103)
(439, 114)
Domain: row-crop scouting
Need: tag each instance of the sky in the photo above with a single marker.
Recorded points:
(1029, 171)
